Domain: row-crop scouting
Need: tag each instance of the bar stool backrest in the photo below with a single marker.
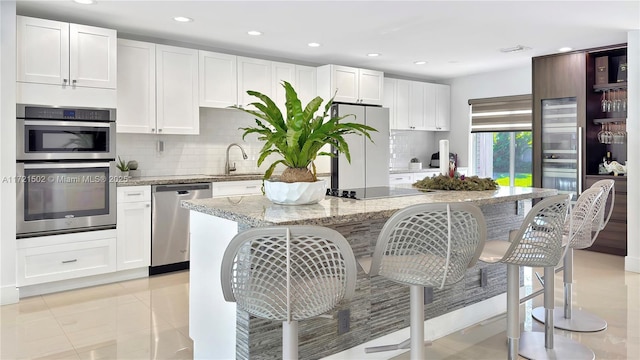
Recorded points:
(430, 245)
(584, 214)
(538, 242)
(288, 273)
(609, 193)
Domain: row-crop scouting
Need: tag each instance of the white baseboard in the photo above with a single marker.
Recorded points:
(9, 295)
(40, 289)
(433, 329)
(632, 264)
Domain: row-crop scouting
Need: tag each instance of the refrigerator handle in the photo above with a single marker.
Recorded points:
(579, 189)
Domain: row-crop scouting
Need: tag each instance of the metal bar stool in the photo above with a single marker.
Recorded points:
(538, 242)
(288, 274)
(576, 319)
(426, 245)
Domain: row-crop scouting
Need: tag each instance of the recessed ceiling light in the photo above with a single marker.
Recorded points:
(373, 54)
(419, 62)
(254, 33)
(182, 19)
(84, 2)
(312, 44)
(565, 49)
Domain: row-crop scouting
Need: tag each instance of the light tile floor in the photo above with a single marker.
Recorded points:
(148, 319)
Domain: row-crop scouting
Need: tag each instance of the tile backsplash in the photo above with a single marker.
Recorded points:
(407, 144)
(199, 154)
(205, 153)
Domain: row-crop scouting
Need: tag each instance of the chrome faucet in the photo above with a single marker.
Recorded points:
(228, 168)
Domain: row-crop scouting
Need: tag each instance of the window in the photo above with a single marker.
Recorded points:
(501, 139)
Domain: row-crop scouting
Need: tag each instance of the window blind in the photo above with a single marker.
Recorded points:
(505, 113)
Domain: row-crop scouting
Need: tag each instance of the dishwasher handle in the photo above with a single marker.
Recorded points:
(181, 189)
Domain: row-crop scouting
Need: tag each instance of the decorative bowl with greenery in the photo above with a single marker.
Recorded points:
(298, 136)
(122, 165)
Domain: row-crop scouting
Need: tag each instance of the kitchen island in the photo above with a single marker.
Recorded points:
(379, 307)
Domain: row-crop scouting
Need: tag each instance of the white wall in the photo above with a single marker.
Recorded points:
(8, 291)
(506, 82)
(632, 260)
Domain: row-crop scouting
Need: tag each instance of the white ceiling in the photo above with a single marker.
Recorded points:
(456, 38)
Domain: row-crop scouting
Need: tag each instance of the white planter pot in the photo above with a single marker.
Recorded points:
(299, 193)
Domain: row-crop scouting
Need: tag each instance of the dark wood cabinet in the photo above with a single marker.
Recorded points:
(578, 78)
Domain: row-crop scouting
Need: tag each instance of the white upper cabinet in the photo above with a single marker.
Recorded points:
(53, 52)
(159, 89)
(353, 85)
(282, 72)
(305, 83)
(177, 90)
(443, 107)
(396, 98)
(253, 74)
(416, 105)
(137, 93)
(218, 79)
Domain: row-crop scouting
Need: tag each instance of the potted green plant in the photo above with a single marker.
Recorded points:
(122, 166)
(298, 136)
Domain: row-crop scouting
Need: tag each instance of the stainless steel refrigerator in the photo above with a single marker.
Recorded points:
(369, 165)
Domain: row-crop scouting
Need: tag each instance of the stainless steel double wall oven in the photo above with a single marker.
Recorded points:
(65, 171)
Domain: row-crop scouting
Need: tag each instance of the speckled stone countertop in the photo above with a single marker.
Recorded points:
(257, 210)
(423, 170)
(192, 179)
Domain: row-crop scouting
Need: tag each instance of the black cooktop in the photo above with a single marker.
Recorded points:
(377, 192)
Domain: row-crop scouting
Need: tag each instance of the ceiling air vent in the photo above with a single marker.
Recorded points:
(516, 48)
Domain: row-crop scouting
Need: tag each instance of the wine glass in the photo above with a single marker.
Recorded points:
(603, 103)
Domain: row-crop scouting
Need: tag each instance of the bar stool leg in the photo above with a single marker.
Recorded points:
(290, 340)
(417, 322)
(513, 311)
(537, 345)
(571, 319)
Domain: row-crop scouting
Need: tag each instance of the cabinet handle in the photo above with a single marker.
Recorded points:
(64, 81)
(69, 261)
(73, 82)
(159, 130)
(135, 193)
(153, 130)
(147, 205)
(251, 187)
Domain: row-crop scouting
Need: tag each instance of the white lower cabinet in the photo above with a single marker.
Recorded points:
(134, 227)
(67, 256)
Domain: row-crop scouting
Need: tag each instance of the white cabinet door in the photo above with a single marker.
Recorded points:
(53, 52)
(443, 107)
(305, 83)
(399, 179)
(429, 106)
(236, 188)
(253, 74)
(133, 227)
(137, 90)
(281, 72)
(402, 104)
(218, 79)
(370, 87)
(417, 106)
(42, 51)
(92, 56)
(177, 110)
(345, 80)
(389, 100)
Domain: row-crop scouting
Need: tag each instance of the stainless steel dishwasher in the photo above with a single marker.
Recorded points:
(170, 225)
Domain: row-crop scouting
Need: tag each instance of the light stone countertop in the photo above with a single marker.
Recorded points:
(257, 210)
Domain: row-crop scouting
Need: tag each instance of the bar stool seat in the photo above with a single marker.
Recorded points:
(288, 274)
(590, 210)
(538, 242)
(426, 245)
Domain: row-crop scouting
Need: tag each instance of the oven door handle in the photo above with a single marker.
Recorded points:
(67, 123)
(82, 165)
